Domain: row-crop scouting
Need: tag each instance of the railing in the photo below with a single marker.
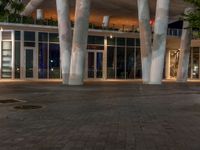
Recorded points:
(53, 22)
(174, 32)
(29, 20)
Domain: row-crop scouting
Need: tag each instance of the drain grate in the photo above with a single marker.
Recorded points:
(28, 107)
(8, 101)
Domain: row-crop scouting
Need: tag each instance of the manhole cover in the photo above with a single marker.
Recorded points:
(8, 101)
(28, 107)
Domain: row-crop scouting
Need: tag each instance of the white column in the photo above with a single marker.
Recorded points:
(184, 57)
(145, 38)
(31, 6)
(39, 14)
(106, 20)
(65, 37)
(159, 43)
(79, 42)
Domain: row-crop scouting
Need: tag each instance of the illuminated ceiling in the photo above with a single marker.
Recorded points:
(122, 12)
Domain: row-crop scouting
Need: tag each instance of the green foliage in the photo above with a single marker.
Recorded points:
(10, 8)
(194, 16)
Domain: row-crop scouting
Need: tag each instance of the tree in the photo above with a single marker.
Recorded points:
(10, 8)
(194, 16)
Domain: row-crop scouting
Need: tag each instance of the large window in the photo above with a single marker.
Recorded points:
(6, 59)
(130, 63)
(29, 39)
(54, 60)
(17, 54)
(43, 55)
(195, 66)
(111, 62)
(123, 58)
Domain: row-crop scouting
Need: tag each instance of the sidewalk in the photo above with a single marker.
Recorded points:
(100, 116)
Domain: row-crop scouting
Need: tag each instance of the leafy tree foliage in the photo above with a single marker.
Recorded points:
(10, 7)
(194, 16)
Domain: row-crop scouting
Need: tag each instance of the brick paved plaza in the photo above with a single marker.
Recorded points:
(100, 116)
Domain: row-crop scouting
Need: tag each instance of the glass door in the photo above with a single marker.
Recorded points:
(29, 55)
(95, 64)
(99, 65)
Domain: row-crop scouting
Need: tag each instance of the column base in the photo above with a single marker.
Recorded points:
(181, 81)
(75, 80)
(65, 78)
(154, 83)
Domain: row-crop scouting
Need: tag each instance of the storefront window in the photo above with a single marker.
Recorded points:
(130, 65)
(29, 36)
(53, 37)
(121, 41)
(54, 61)
(43, 37)
(121, 62)
(96, 40)
(174, 58)
(111, 41)
(6, 59)
(17, 35)
(42, 65)
(111, 62)
(17, 60)
(195, 67)
(138, 64)
(130, 42)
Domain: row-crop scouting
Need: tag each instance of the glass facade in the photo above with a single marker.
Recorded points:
(54, 61)
(43, 61)
(123, 58)
(48, 56)
(194, 63)
(6, 59)
(94, 60)
(37, 55)
(174, 58)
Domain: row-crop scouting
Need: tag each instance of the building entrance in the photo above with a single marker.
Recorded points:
(95, 64)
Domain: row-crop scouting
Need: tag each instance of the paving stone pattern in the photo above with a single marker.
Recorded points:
(101, 116)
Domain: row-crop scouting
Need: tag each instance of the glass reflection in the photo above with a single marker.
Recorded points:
(111, 62)
(99, 65)
(195, 68)
(120, 62)
(42, 68)
(138, 64)
(54, 61)
(130, 58)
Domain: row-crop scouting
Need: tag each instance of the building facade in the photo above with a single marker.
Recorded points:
(33, 52)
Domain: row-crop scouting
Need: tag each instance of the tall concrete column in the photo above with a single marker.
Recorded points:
(185, 45)
(106, 20)
(159, 43)
(65, 37)
(31, 6)
(145, 38)
(79, 45)
(39, 14)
